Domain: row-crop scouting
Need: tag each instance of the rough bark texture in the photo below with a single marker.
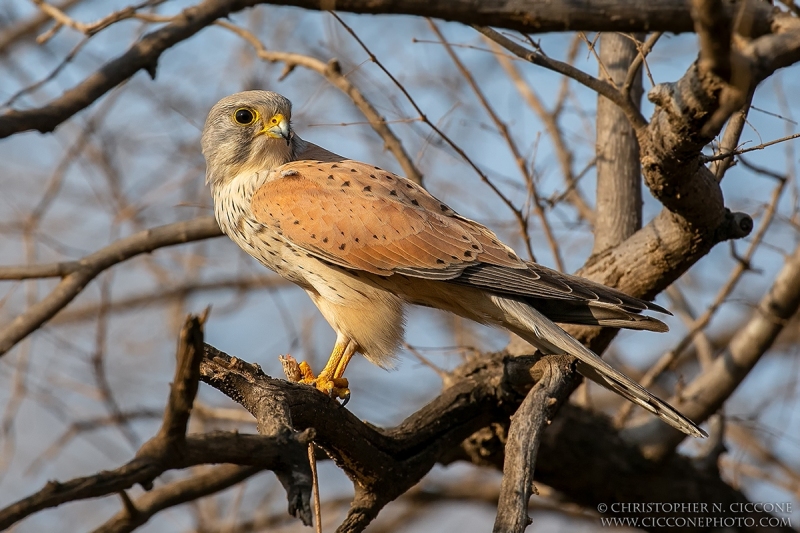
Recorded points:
(522, 446)
(580, 454)
(619, 178)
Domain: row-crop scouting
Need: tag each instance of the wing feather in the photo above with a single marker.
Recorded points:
(539, 282)
(361, 217)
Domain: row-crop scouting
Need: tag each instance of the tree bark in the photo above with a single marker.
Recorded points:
(619, 185)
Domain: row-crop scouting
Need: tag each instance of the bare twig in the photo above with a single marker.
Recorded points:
(142, 55)
(63, 19)
(603, 88)
(638, 61)
(244, 285)
(312, 461)
(550, 120)
(77, 274)
(730, 139)
(484, 178)
(185, 490)
(23, 31)
(519, 160)
(732, 153)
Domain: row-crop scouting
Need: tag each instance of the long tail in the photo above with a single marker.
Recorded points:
(537, 329)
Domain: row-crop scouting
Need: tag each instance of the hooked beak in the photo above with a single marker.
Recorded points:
(277, 128)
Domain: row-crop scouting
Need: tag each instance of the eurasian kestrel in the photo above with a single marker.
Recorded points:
(364, 242)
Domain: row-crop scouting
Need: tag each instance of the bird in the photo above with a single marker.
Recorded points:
(365, 243)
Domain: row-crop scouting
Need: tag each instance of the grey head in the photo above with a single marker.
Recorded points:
(248, 131)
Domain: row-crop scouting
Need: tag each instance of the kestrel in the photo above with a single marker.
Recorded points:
(364, 243)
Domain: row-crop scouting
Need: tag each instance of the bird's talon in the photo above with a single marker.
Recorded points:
(333, 387)
(345, 397)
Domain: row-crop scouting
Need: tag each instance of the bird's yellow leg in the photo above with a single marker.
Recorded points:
(330, 380)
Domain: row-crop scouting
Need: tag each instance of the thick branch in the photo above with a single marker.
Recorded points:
(221, 447)
(273, 418)
(714, 33)
(542, 16)
(583, 457)
(384, 463)
(619, 183)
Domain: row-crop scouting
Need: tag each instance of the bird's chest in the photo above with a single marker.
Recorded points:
(264, 243)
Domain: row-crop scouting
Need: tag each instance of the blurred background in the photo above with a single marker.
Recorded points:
(89, 387)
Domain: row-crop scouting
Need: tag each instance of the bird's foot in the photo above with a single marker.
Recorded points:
(333, 387)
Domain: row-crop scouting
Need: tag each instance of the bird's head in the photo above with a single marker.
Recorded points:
(247, 130)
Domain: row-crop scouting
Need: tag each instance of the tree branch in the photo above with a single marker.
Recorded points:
(172, 449)
(143, 55)
(632, 16)
(183, 491)
(522, 447)
(466, 422)
(543, 16)
(602, 88)
(618, 211)
(80, 273)
(706, 393)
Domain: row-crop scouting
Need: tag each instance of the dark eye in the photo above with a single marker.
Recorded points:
(244, 117)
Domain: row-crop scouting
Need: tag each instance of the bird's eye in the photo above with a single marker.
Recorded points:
(244, 116)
